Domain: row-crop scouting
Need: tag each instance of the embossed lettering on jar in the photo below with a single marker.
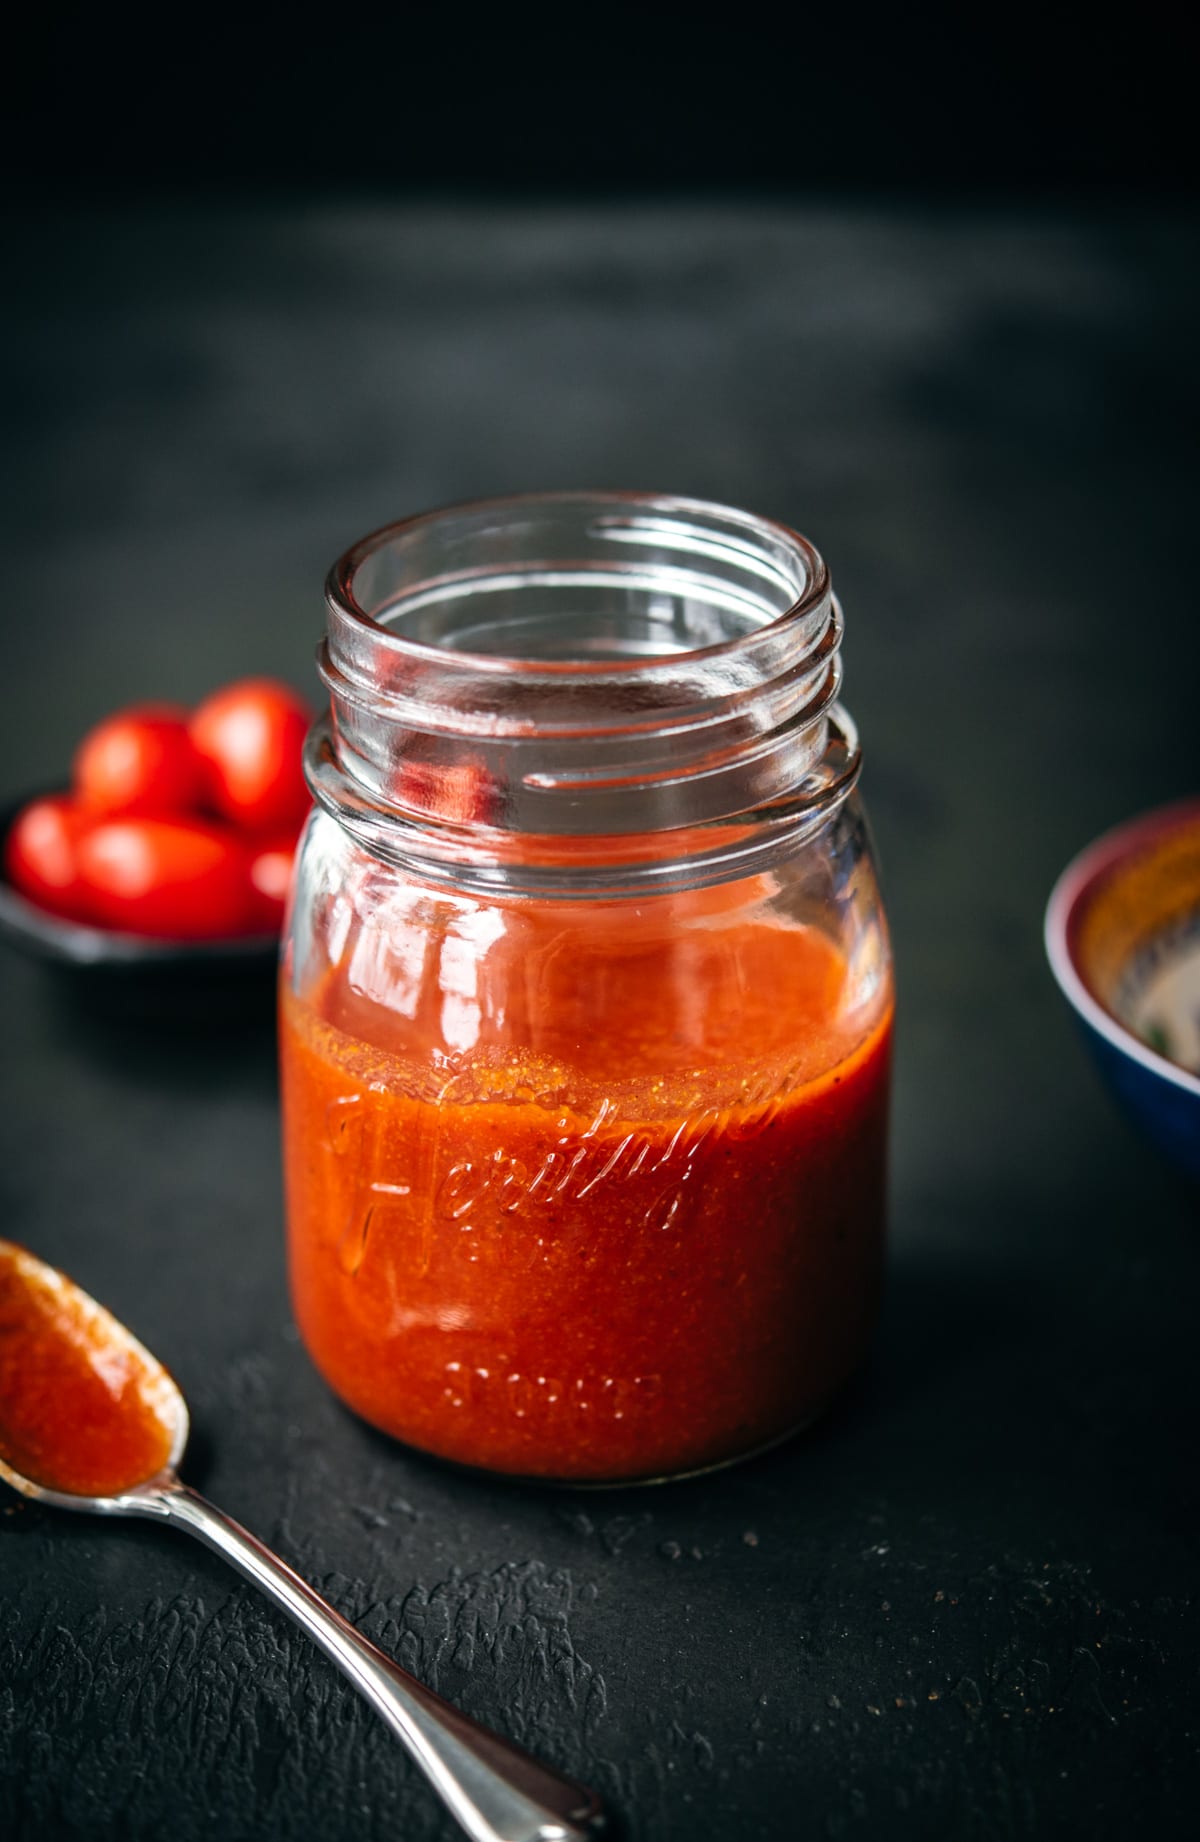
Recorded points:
(587, 995)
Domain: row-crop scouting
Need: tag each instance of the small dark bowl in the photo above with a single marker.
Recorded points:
(132, 971)
(1123, 940)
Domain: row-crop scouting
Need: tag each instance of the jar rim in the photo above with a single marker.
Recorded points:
(566, 665)
(343, 601)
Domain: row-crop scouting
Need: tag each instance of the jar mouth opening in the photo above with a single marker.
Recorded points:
(401, 585)
(581, 663)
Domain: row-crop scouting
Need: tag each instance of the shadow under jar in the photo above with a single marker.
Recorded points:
(587, 995)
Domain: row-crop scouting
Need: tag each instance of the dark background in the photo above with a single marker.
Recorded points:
(626, 99)
(928, 291)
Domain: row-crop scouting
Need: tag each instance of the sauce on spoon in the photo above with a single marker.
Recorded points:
(82, 1404)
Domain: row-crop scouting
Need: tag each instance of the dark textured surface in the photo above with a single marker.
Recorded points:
(964, 1607)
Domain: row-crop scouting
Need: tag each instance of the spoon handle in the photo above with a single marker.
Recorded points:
(496, 1791)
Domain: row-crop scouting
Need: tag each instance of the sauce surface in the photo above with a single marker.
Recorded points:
(647, 1240)
(77, 1403)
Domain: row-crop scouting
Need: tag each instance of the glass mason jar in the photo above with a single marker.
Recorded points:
(587, 995)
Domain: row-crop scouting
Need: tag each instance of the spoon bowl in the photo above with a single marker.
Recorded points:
(83, 1403)
(101, 1345)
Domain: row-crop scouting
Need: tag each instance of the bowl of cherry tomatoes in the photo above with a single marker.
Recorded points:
(170, 853)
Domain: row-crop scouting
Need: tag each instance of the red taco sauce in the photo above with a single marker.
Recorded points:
(76, 1403)
(647, 1244)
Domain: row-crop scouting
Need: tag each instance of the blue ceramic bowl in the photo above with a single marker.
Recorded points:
(1123, 939)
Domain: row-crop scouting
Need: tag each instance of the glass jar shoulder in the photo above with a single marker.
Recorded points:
(696, 998)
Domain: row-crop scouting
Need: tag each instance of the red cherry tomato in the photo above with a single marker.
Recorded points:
(271, 863)
(177, 879)
(42, 856)
(250, 735)
(140, 760)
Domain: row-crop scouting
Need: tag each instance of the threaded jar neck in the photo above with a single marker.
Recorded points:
(574, 666)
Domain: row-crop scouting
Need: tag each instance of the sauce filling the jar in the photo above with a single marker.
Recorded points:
(644, 1241)
(77, 1403)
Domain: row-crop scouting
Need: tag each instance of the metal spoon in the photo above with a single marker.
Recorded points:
(496, 1791)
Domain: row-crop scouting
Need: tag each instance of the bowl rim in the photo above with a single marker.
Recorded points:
(1073, 887)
